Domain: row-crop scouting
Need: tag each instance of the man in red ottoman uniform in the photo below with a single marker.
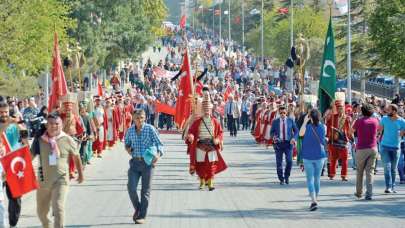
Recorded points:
(206, 137)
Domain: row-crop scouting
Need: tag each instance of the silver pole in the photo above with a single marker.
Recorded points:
(292, 23)
(229, 20)
(213, 21)
(349, 57)
(243, 25)
(220, 23)
(47, 86)
(262, 36)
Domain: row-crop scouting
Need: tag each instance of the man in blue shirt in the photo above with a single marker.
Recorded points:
(393, 128)
(139, 138)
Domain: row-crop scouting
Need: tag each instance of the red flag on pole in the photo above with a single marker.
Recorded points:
(228, 91)
(19, 172)
(283, 10)
(99, 88)
(183, 22)
(164, 108)
(184, 99)
(5, 143)
(59, 87)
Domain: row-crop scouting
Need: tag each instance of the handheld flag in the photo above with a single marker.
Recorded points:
(19, 172)
(327, 82)
(59, 87)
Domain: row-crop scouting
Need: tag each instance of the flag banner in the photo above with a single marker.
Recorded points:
(183, 22)
(283, 10)
(162, 73)
(228, 92)
(19, 171)
(165, 108)
(184, 99)
(59, 86)
(327, 82)
(99, 88)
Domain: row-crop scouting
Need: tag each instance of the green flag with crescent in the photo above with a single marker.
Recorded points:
(327, 82)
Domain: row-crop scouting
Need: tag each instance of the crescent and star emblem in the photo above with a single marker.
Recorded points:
(326, 64)
(16, 160)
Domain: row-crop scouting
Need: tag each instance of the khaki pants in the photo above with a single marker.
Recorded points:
(57, 195)
(365, 159)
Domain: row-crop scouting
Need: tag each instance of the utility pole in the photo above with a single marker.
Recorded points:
(349, 56)
(262, 35)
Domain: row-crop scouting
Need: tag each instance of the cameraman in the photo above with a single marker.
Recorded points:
(16, 136)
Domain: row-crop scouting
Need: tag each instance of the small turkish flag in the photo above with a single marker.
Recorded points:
(183, 22)
(20, 174)
(99, 89)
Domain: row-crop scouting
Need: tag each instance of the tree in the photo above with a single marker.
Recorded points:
(307, 21)
(26, 34)
(387, 31)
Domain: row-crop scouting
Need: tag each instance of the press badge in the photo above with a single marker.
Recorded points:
(52, 159)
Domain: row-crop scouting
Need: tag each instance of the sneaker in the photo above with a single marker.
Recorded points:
(287, 181)
(313, 207)
(211, 189)
(140, 221)
(387, 191)
(368, 198)
(393, 191)
(281, 182)
(358, 197)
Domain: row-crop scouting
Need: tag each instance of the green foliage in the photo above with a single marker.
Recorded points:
(387, 31)
(26, 34)
(307, 21)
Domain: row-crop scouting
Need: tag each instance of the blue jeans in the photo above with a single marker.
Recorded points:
(390, 158)
(401, 163)
(313, 170)
(286, 149)
(138, 169)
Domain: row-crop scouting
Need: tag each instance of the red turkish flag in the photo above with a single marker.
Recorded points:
(20, 174)
(283, 10)
(5, 143)
(184, 100)
(228, 91)
(164, 108)
(59, 87)
(99, 88)
(183, 22)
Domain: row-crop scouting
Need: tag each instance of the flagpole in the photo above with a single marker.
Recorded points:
(243, 25)
(292, 24)
(47, 86)
(220, 23)
(262, 36)
(349, 57)
(229, 20)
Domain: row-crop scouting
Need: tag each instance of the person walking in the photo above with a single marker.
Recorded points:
(16, 136)
(393, 128)
(284, 132)
(231, 110)
(366, 150)
(313, 153)
(54, 148)
(140, 139)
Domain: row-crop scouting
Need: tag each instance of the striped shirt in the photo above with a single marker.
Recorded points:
(138, 143)
(204, 133)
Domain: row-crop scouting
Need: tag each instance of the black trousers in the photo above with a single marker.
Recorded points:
(245, 121)
(14, 207)
(231, 125)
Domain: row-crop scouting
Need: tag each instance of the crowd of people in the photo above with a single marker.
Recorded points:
(239, 93)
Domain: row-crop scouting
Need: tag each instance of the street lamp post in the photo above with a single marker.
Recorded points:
(229, 20)
(243, 25)
(262, 35)
(349, 57)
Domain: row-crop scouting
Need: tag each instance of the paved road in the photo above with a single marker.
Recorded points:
(247, 195)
